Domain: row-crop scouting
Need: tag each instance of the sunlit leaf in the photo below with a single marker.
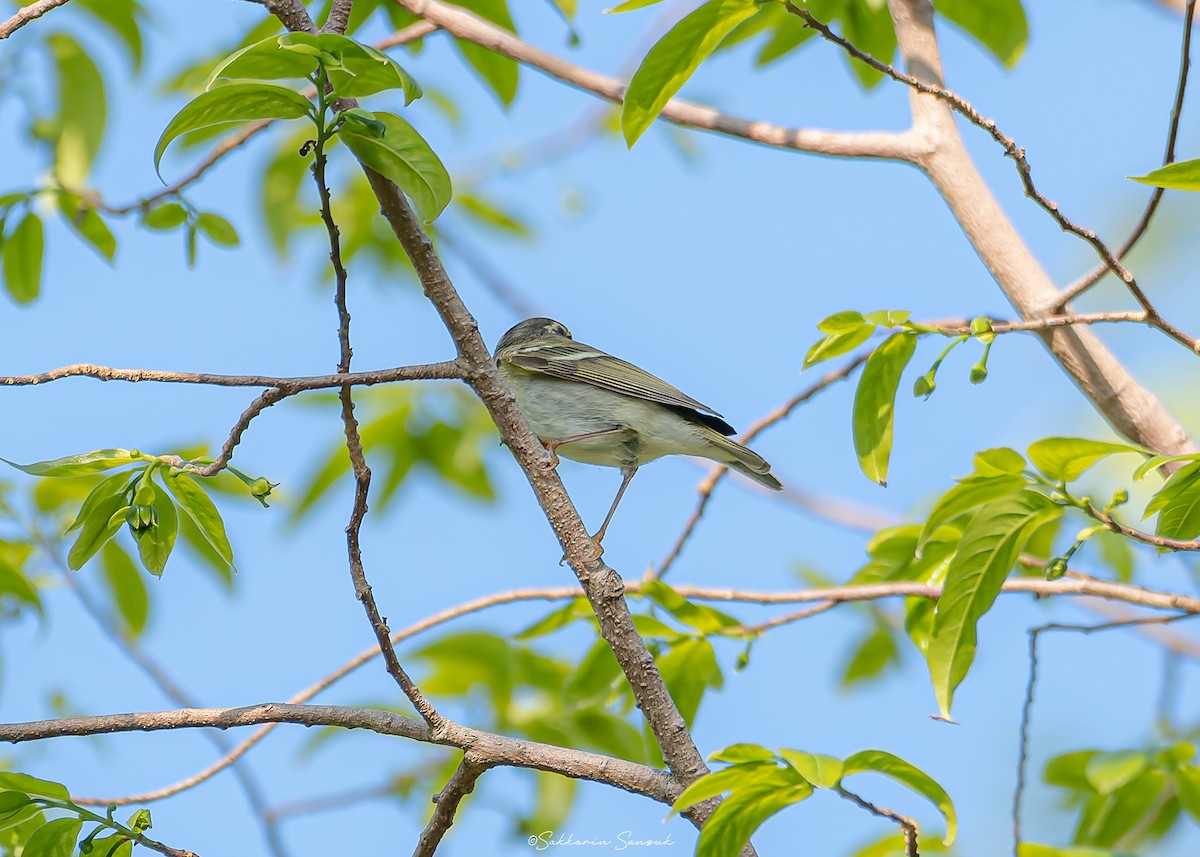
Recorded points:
(875, 404)
(402, 156)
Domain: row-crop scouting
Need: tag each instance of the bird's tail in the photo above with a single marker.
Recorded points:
(745, 461)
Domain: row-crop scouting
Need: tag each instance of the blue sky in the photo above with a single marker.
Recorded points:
(710, 271)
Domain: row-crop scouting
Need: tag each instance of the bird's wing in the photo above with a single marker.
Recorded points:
(575, 361)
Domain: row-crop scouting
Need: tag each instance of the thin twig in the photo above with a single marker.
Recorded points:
(1017, 154)
(446, 803)
(1064, 320)
(26, 14)
(1089, 279)
(1139, 536)
(362, 473)
(446, 370)
(709, 483)
(1027, 707)
(259, 405)
(907, 825)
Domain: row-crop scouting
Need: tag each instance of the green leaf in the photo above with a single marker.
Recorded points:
(355, 70)
(875, 404)
(674, 58)
(15, 808)
(87, 223)
(78, 465)
(111, 846)
(82, 116)
(870, 657)
(837, 344)
(703, 618)
(560, 617)
(867, 25)
(745, 775)
(165, 217)
(998, 25)
(1158, 461)
(824, 772)
(1178, 504)
(234, 103)
(1107, 772)
(689, 669)
(970, 493)
(1187, 786)
(787, 34)
(156, 542)
(1032, 849)
(217, 229)
(499, 73)
(1066, 458)
(882, 762)
(402, 156)
(13, 583)
(1183, 175)
(200, 508)
(630, 5)
(23, 250)
(1001, 460)
(593, 679)
(990, 546)
(54, 838)
(846, 321)
(732, 824)
(739, 753)
(34, 786)
(127, 588)
(121, 17)
(98, 527)
(113, 486)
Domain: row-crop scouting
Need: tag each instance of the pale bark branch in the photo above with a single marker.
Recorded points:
(866, 144)
(26, 14)
(446, 803)
(446, 370)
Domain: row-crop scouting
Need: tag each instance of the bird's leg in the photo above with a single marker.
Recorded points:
(627, 472)
(554, 443)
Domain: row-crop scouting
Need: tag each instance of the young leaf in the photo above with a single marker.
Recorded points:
(54, 838)
(85, 222)
(749, 775)
(78, 465)
(882, 762)
(867, 25)
(200, 508)
(82, 116)
(703, 618)
(165, 217)
(34, 786)
(127, 588)
(838, 343)
(824, 772)
(101, 524)
(121, 17)
(113, 486)
(732, 824)
(1183, 175)
(739, 753)
(499, 73)
(23, 250)
(1067, 458)
(1178, 504)
(217, 229)
(875, 403)
(404, 157)
(970, 493)
(986, 553)
(234, 103)
(156, 542)
(689, 669)
(674, 59)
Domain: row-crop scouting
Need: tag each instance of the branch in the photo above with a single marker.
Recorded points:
(1131, 409)
(358, 462)
(465, 25)
(338, 17)
(259, 405)
(446, 370)
(487, 748)
(1092, 277)
(907, 825)
(26, 14)
(292, 14)
(716, 474)
(460, 784)
(1012, 150)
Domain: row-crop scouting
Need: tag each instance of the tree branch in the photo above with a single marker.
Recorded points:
(487, 748)
(460, 784)
(465, 25)
(1092, 277)
(338, 17)
(446, 370)
(26, 14)
(907, 825)
(1131, 409)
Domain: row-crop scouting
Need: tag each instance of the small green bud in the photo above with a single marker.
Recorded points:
(1119, 498)
(983, 324)
(924, 386)
(1056, 568)
(978, 373)
(260, 490)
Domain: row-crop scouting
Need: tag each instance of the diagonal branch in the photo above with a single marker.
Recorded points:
(446, 802)
(26, 14)
(447, 370)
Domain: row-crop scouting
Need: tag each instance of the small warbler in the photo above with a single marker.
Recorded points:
(595, 408)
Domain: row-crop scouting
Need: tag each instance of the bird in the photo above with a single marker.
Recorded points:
(594, 408)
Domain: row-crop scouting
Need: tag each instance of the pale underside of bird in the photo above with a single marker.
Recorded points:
(589, 406)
